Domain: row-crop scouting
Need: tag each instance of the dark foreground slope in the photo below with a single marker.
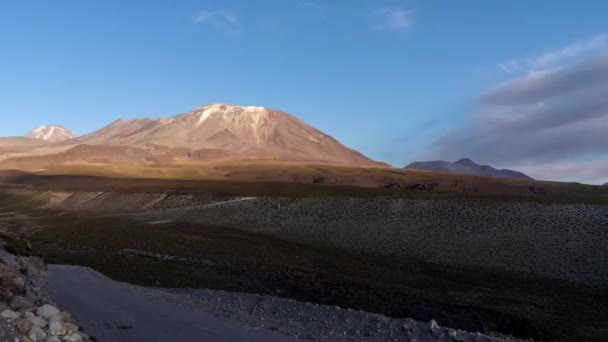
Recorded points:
(529, 269)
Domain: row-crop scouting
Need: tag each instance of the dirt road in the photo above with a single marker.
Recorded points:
(110, 311)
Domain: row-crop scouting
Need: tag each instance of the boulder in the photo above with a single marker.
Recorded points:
(37, 334)
(39, 321)
(53, 339)
(47, 311)
(13, 283)
(72, 328)
(9, 314)
(433, 325)
(29, 314)
(57, 327)
(73, 338)
(25, 326)
(19, 302)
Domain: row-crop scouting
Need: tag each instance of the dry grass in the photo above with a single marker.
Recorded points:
(253, 175)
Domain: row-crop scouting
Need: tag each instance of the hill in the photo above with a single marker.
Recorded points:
(466, 167)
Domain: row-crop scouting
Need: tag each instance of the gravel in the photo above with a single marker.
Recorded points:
(190, 312)
(553, 240)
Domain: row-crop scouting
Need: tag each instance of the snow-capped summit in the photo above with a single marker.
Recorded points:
(51, 133)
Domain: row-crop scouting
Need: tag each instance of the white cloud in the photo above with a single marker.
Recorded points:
(553, 59)
(219, 20)
(571, 51)
(547, 121)
(509, 66)
(394, 20)
(592, 172)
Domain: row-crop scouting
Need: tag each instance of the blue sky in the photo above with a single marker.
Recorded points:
(398, 80)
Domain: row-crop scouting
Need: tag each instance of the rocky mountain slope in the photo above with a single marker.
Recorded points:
(466, 167)
(210, 132)
(51, 133)
(230, 131)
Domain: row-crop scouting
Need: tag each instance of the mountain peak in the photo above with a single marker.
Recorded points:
(466, 161)
(52, 133)
(241, 132)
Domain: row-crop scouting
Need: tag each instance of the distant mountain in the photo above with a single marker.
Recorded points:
(229, 132)
(51, 133)
(466, 167)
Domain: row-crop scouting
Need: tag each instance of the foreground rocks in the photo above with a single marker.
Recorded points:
(46, 324)
(25, 315)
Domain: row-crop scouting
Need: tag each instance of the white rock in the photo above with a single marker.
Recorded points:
(29, 314)
(9, 314)
(53, 339)
(72, 328)
(47, 311)
(39, 321)
(37, 334)
(56, 326)
(73, 338)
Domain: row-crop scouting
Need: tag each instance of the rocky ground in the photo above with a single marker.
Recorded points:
(555, 240)
(29, 311)
(25, 315)
(520, 240)
(550, 239)
(154, 314)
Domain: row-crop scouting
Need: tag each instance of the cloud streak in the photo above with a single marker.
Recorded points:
(571, 51)
(219, 20)
(509, 66)
(557, 57)
(393, 20)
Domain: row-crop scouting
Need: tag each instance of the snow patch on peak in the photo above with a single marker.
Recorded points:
(230, 112)
(51, 133)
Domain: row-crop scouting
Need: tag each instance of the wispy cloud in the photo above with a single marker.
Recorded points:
(571, 51)
(509, 66)
(393, 19)
(220, 20)
(557, 57)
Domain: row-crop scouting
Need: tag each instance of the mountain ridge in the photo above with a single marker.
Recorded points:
(467, 167)
(215, 131)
